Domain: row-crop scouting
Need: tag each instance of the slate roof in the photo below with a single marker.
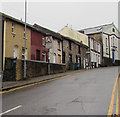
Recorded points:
(47, 31)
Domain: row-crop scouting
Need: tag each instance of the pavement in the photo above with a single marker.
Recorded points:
(86, 92)
(13, 84)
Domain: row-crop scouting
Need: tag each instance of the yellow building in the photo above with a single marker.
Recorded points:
(77, 36)
(14, 39)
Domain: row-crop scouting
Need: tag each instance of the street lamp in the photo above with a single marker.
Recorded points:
(48, 46)
(1, 52)
(25, 42)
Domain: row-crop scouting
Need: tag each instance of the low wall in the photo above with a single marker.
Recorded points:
(33, 69)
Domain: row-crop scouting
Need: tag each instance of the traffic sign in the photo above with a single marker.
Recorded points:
(49, 41)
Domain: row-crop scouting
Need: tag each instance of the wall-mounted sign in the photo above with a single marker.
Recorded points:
(49, 41)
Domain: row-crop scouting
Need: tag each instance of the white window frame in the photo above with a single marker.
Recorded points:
(24, 54)
(43, 41)
(44, 54)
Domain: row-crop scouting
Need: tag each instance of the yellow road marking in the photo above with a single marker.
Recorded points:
(117, 104)
(110, 111)
(25, 86)
(41, 82)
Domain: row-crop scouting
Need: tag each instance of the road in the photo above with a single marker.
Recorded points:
(87, 92)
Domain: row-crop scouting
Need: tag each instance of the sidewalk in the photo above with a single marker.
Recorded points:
(13, 84)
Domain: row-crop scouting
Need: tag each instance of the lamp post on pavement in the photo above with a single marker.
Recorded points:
(25, 42)
(1, 51)
(48, 46)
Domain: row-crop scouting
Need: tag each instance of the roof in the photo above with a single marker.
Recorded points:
(95, 27)
(47, 31)
(98, 29)
(75, 35)
(14, 19)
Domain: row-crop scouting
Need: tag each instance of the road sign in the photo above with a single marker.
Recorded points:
(49, 41)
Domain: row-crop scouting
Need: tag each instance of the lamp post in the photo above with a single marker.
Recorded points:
(1, 51)
(48, 46)
(25, 42)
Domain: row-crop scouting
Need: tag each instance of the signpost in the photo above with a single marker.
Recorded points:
(49, 45)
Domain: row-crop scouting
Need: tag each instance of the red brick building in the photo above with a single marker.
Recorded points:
(38, 50)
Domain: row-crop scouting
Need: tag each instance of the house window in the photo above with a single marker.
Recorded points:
(113, 41)
(63, 59)
(24, 54)
(79, 49)
(70, 45)
(37, 54)
(94, 45)
(24, 32)
(106, 50)
(15, 51)
(70, 58)
(43, 56)
(12, 26)
(59, 58)
(106, 42)
(54, 58)
(113, 30)
(43, 41)
(58, 45)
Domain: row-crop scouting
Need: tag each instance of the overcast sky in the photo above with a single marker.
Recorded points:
(55, 15)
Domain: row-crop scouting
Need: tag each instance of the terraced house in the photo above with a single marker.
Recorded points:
(108, 35)
(13, 34)
(55, 53)
(75, 47)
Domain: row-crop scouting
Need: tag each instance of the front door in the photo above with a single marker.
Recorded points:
(113, 56)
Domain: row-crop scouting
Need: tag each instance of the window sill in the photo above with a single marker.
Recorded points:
(59, 49)
(24, 38)
(13, 33)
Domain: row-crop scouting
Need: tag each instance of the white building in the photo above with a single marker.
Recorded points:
(95, 53)
(109, 36)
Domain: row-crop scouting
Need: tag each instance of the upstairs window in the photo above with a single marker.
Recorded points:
(58, 45)
(24, 32)
(43, 41)
(113, 30)
(12, 26)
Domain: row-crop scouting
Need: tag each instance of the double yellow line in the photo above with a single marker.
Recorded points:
(29, 85)
(110, 111)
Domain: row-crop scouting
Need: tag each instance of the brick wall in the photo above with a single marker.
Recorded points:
(33, 69)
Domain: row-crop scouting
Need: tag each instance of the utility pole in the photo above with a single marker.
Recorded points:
(1, 51)
(25, 42)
